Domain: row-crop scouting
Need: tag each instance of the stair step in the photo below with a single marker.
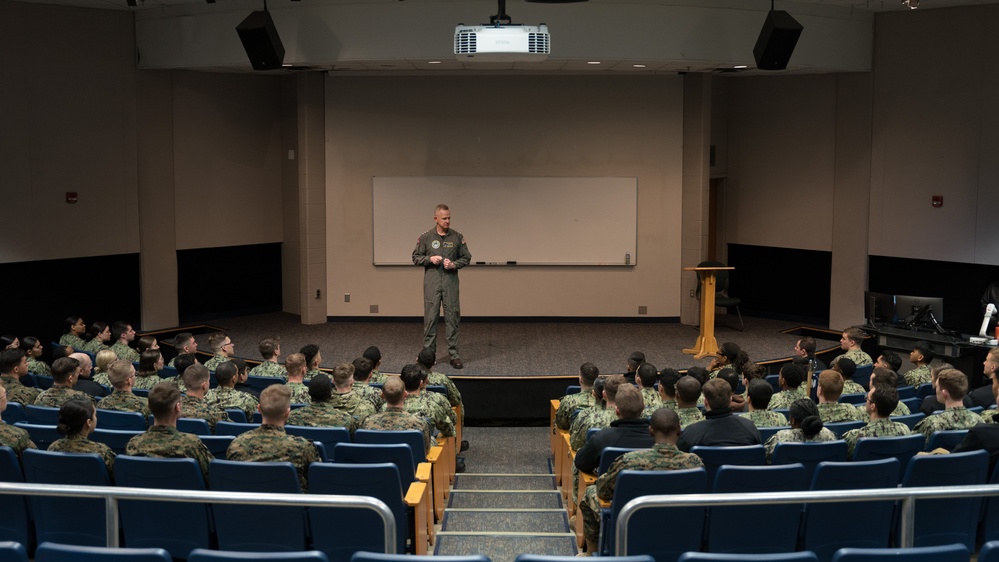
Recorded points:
(504, 482)
(481, 499)
(504, 547)
(536, 522)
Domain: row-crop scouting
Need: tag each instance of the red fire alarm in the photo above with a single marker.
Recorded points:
(937, 201)
(71, 197)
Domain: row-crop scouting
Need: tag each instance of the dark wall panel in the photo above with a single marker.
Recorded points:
(39, 295)
(781, 283)
(214, 282)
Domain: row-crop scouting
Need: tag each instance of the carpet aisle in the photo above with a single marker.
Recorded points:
(506, 503)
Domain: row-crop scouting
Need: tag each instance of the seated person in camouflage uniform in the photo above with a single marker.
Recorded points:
(420, 402)
(98, 336)
(428, 358)
(830, 408)
(242, 374)
(760, 392)
(122, 375)
(688, 392)
(664, 455)
(791, 380)
(321, 412)
(269, 442)
(77, 420)
(629, 430)
(806, 427)
(148, 374)
(295, 365)
(12, 436)
(598, 416)
(921, 356)
(374, 355)
(181, 363)
(225, 396)
(846, 367)
(886, 377)
(667, 387)
(146, 342)
(103, 363)
(122, 334)
(270, 350)
(65, 370)
(889, 360)
(568, 404)
(83, 381)
(646, 377)
(222, 347)
(881, 401)
(951, 386)
(313, 359)
(345, 398)
(194, 405)
(75, 328)
(13, 366)
(33, 350)
(729, 355)
(850, 343)
(162, 440)
(395, 417)
(183, 343)
(362, 383)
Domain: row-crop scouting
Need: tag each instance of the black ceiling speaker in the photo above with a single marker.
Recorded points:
(260, 40)
(777, 40)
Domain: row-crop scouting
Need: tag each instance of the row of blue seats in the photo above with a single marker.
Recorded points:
(822, 528)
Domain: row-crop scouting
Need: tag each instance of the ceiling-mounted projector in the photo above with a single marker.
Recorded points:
(502, 43)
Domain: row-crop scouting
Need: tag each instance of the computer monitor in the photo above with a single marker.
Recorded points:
(915, 311)
(879, 308)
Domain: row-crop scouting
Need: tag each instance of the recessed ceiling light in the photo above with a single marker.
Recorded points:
(741, 66)
(593, 62)
(638, 65)
(434, 62)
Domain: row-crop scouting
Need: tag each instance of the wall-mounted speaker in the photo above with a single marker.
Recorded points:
(260, 40)
(776, 41)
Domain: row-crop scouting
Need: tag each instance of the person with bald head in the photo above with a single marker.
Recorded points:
(84, 383)
(395, 417)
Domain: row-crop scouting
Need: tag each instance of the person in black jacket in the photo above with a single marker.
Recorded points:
(629, 430)
(719, 427)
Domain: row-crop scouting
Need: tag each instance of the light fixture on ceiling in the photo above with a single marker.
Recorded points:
(911, 4)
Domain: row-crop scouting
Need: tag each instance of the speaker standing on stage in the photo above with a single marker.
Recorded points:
(442, 252)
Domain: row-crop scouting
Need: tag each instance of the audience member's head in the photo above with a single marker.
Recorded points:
(218, 340)
(11, 359)
(269, 347)
(146, 342)
(700, 373)
(275, 404)
(634, 360)
(831, 385)
(394, 391)
(760, 392)
(717, 394)
(588, 372)
(374, 355)
(412, 376)
(74, 325)
(163, 400)
(122, 331)
(665, 426)
(195, 377)
(922, 353)
(890, 360)
(667, 382)
(427, 357)
(312, 355)
(885, 400)
(852, 338)
(104, 359)
(77, 416)
(646, 375)
(792, 375)
(184, 342)
(150, 361)
(64, 369)
(185, 360)
(805, 347)
(611, 386)
(320, 388)
(954, 383)
(225, 374)
(362, 369)
(295, 365)
(804, 413)
(120, 372)
(688, 390)
(343, 376)
(629, 402)
(881, 376)
(729, 375)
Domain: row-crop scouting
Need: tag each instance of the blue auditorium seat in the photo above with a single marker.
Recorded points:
(217, 444)
(14, 517)
(328, 436)
(13, 551)
(543, 558)
(910, 420)
(41, 415)
(715, 457)
(52, 552)
(124, 421)
(252, 528)
(115, 439)
(727, 531)
(412, 437)
(901, 448)
(943, 553)
(14, 413)
(804, 556)
(810, 454)
(947, 439)
(197, 426)
(203, 555)
(950, 520)
(234, 428)
(379, 557)
(41, 435)
(839, 428)
(74, 521)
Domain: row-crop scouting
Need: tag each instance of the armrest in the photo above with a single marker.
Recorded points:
(423, 472)
(605, 504)
(586, 479)
(434, 454)
(415, 493)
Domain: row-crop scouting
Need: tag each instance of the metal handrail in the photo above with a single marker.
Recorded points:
(908, 496)
(112, 494)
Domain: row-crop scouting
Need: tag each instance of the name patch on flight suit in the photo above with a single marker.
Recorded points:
(449, 244)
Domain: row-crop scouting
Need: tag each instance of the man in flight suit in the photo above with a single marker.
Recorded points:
(442, 252)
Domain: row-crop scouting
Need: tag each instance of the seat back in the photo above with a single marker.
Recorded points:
(43, 382)
(328, 436)
(196, 426)
(913, 403)
(727, 530)
(13, 551)
(49, 552)
(715, 457)
(115, 439)
(252, 528)
(774, 381)
(901, 448)
(412, 437)
(839, 428)
(260, 383)
(234, 428)
(863, 524)
(910, 420)
(544, 558)
(398, 454)
(183, 526)
(907, 392)
(862, 375)
(236, 415)
(355, 529)
(943, 553)
(950, 520)
(125, 421)
(41, 415)
(855, 399)
(14, 413)
(610, 454)
(14, 515)
(947, 439)
(769, 557)
(217, 444)
(379, 557)
(41, 435)
(924, 390)
(76, 521)
(572, 389)
(767, 432)
(686, 524)
(203, 555)
(810, 454)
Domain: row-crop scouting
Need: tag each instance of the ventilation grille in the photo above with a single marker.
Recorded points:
(464, 42)
(539, 43)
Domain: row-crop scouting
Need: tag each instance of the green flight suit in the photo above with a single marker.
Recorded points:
(440, 286)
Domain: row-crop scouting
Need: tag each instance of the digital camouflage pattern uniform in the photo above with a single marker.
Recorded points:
(101, 378)
(165, 442)
(56, 396)
(123, 351)
(652, 399)
(215, 362)
(831, 412)
(372, 394)
(270, 443)
(38, 367)
(451, 391)
(269, 369)
(192, 407)
(670, 403)
(662, 456)
(17, 392)
(767, 418)
(223, 398)
(874, 428)
(958, 417)
(596, 417)
(353, 404)
(795, 436)
(146, 381)
(440, 286)
(299, 393)
(568, 405)
(434, 409)
(783, 399)
(124, 401)
(72, 340)
(322, 414)
(858, 356)
(689, 416)
(80, 444)
(397, 419)
(15, 438)
(918, 375)
(988, 416)
(377, 378)
(95, 346)
(311, 373)
(851, 387)
(901, 410)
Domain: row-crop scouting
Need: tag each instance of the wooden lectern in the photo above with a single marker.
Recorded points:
(706, 343)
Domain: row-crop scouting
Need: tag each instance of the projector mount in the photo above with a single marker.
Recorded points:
(502, 16)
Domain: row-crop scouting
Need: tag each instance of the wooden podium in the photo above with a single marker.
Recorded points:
(706, 343)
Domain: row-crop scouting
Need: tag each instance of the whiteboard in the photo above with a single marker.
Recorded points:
(511, 220)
